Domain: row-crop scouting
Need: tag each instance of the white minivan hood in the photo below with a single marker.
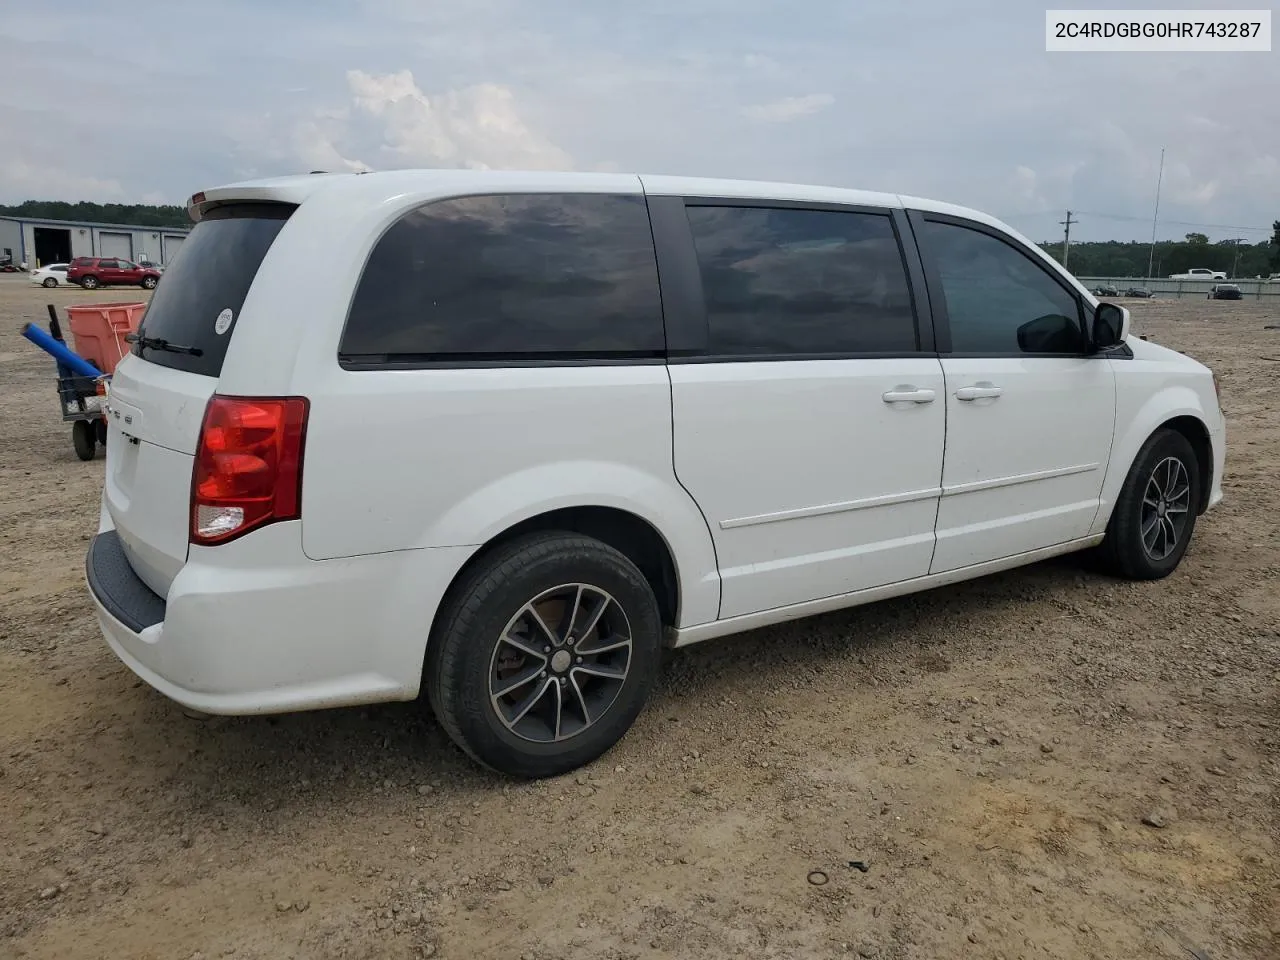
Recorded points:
(1146, 350)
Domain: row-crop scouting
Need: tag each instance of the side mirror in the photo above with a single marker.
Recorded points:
(1110, 326)
(1052, 333)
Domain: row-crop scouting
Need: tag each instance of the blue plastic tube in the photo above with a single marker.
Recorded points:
(59, 352)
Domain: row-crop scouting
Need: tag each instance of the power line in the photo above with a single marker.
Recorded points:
(1128, 217)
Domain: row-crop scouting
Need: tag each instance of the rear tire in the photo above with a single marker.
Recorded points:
(49, 283)
(89, 283)
(148, 283)
(83, 439)
(1155, 513)
(522, 685)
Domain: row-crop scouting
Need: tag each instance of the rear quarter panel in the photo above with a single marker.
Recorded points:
(412, 459)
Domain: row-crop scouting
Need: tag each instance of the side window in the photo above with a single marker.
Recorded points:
(107, 265)
(999, 301)
(796, 281)
(521, 276)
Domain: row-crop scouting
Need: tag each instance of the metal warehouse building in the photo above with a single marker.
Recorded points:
(40, 241)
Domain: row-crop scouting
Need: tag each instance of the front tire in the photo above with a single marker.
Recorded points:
(544, 654)
(1155, 513)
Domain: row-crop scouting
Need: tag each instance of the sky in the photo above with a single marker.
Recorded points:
(153, 100)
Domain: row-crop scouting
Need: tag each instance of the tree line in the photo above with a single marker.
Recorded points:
(1115, 258)
(132, 214)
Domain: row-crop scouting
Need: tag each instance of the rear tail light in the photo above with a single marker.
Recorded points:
(248, 468)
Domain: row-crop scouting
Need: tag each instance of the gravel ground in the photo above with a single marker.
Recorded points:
(1044, 763)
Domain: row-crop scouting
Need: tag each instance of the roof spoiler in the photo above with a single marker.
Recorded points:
(287, 190)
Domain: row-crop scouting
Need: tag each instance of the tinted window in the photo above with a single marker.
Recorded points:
(999, 301)
(511, 276)
(219, 261)
(792, 281)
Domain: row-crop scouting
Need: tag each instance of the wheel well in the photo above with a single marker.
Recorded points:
(1198, 437)
(625, 532)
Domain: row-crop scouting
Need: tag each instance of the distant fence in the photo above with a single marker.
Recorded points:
(1177, 289)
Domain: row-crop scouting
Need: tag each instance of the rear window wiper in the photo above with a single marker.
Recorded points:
(160, 343)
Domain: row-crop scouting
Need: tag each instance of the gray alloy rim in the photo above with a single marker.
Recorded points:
(560, 663)
(1165, 507)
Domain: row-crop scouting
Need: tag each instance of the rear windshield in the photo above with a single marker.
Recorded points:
(198, 302)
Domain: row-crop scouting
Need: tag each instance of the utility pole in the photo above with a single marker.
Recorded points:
(1155, 215)
(1235, 264)
(1066, 236)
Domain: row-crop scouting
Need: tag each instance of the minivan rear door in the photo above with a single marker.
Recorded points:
(158, 392)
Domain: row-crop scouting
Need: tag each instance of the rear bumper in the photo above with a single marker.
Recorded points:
(254, 627)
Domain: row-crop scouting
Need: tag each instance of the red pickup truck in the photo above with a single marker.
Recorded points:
(94, 272)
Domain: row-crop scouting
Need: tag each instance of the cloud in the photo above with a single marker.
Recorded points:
(788, 108)
(394, 123)
(31, 181)
(697, 87)
(313, 143)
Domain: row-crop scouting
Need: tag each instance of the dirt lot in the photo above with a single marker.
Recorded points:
(989, 752)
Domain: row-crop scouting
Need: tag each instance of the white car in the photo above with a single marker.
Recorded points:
(525, 429)
(51, 275)
(1199, 273)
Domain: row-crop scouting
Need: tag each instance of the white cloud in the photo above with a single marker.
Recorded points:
(395, 123)
(313, 142)
(788, 108)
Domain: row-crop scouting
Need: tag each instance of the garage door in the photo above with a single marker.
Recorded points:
(171, 246)
(115, 245)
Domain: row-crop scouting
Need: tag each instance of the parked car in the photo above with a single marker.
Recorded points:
(94, 272)
(1225, 291)
(146, 264)
(1105, 290)
(1140, 292)
(1199, 273)
(504, 464)
(7, 265)
(50, 275)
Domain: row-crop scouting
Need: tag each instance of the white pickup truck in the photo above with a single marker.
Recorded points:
(1199, 273)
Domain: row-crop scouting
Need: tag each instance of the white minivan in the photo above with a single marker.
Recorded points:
(502, 436)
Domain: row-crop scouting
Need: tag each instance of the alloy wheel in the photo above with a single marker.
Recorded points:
(560, 663)
(1165, 506)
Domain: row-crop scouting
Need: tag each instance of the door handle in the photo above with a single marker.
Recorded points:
(908, 394)
(979, 391)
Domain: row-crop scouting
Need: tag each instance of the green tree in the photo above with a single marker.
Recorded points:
(1275, 244)
(1197, 239)
(132, 214)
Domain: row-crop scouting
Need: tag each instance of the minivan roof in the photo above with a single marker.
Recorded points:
(385, 186)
